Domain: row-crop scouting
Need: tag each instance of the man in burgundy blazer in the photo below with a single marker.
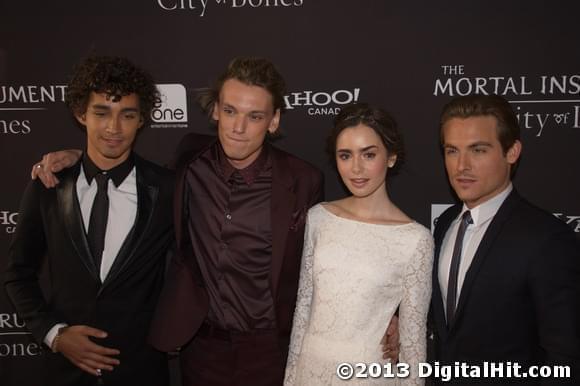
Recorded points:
(240, 209)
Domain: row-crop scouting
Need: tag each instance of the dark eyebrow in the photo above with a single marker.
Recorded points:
(362, 150)
(100, 107)
(130, 109)
(368, 148)
(105, 107)
(227, 105)
(480, 143)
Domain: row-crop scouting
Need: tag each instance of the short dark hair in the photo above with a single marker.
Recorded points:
(115, 76)
(252, 71)
(377, 119)
(508, 128)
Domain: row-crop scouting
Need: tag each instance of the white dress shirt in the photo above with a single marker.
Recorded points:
(482, 216)
(122, 212)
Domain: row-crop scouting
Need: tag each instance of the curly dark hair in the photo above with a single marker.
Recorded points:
(253, 71)
(115, 76)
(377, 119)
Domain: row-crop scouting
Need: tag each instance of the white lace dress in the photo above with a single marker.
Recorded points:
(354, 276)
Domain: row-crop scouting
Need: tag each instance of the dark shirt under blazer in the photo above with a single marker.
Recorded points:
(233, 233)
(50, 224)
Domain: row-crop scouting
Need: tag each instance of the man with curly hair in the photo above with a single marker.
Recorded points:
(103, 232)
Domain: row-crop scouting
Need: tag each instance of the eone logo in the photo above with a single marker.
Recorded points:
(9, 220)
(321, 101)
(172, 106)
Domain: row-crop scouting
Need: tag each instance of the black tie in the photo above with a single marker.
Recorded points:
(454, 268)
(98, 220)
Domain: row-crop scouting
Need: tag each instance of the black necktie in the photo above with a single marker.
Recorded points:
(454, 268)
(98, 220)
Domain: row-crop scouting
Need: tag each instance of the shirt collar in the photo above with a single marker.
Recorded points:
(485, 211)
(116, 174)
(250, 172)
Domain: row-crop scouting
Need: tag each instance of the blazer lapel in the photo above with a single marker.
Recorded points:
(437, 300)
(147, 194)
(72, 217)
(283, 201)
(483, 250)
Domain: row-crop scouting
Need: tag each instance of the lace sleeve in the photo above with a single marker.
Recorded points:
(303, 302)
(414, 307)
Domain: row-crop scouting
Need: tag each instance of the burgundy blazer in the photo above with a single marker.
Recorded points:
(183, 306)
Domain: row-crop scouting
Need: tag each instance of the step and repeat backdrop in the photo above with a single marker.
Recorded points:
(408, 57)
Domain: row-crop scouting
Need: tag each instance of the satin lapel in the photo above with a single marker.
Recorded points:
(437, 299)
(282, 202)
(71, 214)
(483, 250)
(147, 195)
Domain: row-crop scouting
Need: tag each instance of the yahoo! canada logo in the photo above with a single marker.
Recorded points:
(321, 102)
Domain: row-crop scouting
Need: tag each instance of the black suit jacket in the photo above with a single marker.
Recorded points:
(520, 298)
(50, 226)
(296, 186)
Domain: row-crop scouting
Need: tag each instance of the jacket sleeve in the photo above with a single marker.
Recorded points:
(25, 255)
(554, 281)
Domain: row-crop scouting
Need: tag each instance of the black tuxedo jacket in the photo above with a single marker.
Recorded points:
(520, 298)
(51, 227)
(296, 186)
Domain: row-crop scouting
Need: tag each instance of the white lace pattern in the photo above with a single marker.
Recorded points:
(354, 276)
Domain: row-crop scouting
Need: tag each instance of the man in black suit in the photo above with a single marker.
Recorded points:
(506, 277)
(104, 232)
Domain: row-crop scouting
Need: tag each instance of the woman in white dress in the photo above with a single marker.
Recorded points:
(363, 258)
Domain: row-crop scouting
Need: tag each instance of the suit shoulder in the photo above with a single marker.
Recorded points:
(536, 218)
(189, 145)
(36, 188)
(153, 168)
